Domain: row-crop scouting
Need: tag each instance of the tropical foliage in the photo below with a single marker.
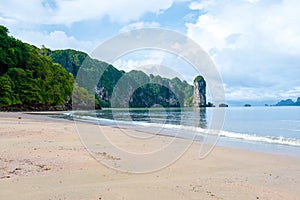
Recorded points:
(41, 77)
(28, 77)
(115, 88)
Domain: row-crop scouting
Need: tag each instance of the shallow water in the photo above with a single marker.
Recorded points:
(269, 129)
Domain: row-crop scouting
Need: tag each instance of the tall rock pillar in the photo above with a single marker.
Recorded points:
(199, 99)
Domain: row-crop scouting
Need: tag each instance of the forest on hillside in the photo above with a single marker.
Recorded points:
(29, 78)
(34, 78)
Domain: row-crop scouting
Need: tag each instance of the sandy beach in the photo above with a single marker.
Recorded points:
(43, 158)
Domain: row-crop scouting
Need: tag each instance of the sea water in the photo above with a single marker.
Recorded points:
(267, 129)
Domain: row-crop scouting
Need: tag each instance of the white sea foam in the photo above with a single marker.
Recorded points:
(266, 139)
(193, 130)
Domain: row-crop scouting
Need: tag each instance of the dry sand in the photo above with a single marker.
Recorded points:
(43, 158)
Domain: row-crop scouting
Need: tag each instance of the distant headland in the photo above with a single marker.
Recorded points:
(288, 102)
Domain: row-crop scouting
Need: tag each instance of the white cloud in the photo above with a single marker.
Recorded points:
(292, 93)
(68, 12)
(7, 21)
(26, 19)
(259, 94)
(201, 5)
(255, 44)
(55, 40)
(252, 1)
(139, 59)
(156, 62)
(139, 25)
(272, 27)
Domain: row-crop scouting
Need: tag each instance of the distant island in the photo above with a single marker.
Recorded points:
(33, 78)
(288, 102)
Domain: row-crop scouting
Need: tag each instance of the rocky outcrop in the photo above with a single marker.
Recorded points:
(199, 92)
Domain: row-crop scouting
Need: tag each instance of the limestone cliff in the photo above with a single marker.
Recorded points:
(145, 90)
(199, 92)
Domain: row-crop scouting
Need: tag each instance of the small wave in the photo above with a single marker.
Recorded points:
(265, 139)
(194, 130)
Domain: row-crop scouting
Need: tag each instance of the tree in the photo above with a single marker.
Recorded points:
(6, 92)
(13, 52)
(29, 77)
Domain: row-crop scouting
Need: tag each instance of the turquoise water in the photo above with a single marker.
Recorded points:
(268, 129)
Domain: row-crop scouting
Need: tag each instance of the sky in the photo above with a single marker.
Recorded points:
(255, 44)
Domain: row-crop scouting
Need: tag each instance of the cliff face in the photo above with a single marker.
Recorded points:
(131, 92)
(159, 90)
(199, 92)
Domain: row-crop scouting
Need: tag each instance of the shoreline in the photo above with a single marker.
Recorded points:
(45, 159)
(238, 141)
(222, 141)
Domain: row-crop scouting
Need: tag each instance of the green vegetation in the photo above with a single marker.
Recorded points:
(34, 78)
(198, 78)
(70, 59)
(29, 78)
(150, 90)
(82, 98)
(90, 71)
(119, 89)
